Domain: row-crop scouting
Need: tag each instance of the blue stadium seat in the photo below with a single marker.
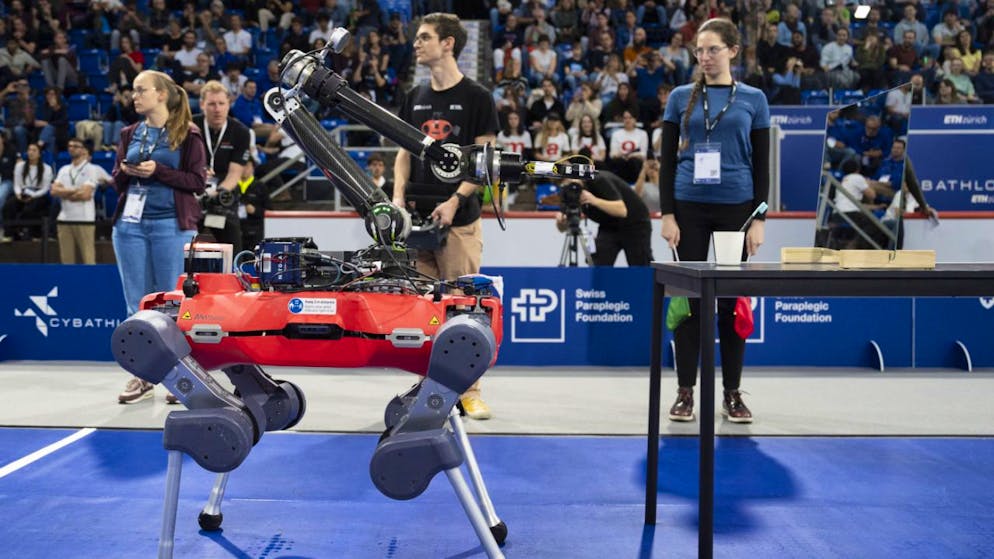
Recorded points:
(93, 61)
(262, 56)
(37, 81)
(814, 97)
(82, 106)
(360, 157)
(104, 159)
(61, 160)
(847, 96)
(104, 100)
(253, 74)
(98, 81)
(79, 37)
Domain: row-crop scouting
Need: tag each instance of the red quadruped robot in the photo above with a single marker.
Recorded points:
(305, 307)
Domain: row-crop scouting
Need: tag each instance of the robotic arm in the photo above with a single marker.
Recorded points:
(479, 164)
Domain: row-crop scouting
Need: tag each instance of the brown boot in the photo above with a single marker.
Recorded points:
(683, 408)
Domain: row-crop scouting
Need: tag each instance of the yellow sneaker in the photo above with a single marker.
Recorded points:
(475, 407)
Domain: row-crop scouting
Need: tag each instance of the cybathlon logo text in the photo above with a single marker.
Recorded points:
(49, 318)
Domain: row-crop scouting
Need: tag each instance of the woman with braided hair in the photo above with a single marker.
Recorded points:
(714, 160)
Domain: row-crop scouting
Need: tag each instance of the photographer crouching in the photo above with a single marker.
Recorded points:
(622, 218)
(227, 141)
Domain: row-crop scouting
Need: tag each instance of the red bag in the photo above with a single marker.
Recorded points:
(744, 321)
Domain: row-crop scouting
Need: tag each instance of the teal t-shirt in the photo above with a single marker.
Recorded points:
(749, 111)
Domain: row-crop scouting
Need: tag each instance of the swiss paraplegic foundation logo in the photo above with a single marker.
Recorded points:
(538, 316)
(41, 303)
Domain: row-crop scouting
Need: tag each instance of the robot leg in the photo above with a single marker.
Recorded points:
(418, 445)
(218, 430)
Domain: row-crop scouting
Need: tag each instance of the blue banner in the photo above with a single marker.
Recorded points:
(801, 148)
(576, 316)
(950, 148)
(52, 312)
(947, 330)
(555, 317)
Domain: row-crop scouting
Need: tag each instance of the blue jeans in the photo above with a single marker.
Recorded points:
(149, 257)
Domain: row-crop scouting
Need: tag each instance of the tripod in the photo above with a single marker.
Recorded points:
(575, 239)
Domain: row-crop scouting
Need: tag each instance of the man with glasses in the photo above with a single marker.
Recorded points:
(453, 109)
(74, 186)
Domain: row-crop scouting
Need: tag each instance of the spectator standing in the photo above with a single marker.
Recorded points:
(253, 199)
(75, 186)
(227, 142)
(159, 168)
(470, 109)
(871, 61)
(715, 173)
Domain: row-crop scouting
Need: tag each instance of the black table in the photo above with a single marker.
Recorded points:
(707, 281)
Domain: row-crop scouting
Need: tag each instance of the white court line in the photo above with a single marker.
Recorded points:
(39, 454)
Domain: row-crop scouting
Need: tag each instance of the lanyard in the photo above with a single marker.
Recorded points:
(245, 184)
(213, 149)
(73, 177)
(146, 155)
(708, 125)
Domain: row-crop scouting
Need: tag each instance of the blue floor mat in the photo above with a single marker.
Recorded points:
(309, 496)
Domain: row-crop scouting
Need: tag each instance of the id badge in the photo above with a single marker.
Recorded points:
(214, 221)
(707, 163)
(242, 212)
(134, 204)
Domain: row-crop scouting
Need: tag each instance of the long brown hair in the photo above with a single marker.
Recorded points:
(178, 105)
(730, 36)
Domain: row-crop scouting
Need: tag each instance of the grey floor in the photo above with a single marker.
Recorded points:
(546, 400)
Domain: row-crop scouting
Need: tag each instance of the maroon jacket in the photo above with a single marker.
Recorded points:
(189, 179)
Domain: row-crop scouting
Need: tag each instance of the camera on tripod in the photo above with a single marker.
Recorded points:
(569, 203)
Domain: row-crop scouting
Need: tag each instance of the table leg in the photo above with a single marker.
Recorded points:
(705, 532)
(655, 371)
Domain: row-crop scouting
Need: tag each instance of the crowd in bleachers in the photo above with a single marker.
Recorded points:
(67, 66)
(576, 72)
(613, 60)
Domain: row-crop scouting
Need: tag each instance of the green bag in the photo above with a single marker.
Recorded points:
(677, 312)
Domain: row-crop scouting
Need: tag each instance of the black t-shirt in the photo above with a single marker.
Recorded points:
(7, 162)
(456, 115)
(609, 186)
(233, 147)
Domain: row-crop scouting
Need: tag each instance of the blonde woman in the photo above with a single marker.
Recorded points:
(160, 167)
(552, 143)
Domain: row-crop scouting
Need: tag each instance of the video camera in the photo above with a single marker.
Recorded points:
(569, 203)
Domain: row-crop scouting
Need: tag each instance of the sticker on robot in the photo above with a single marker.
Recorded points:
(299, 305)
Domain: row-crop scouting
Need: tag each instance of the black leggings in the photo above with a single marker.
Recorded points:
(697, 221)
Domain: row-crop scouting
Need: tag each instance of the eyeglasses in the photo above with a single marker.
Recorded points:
(710, 51)
(424, 38)
(139, 91)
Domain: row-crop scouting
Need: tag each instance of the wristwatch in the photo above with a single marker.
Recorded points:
(462, 198)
